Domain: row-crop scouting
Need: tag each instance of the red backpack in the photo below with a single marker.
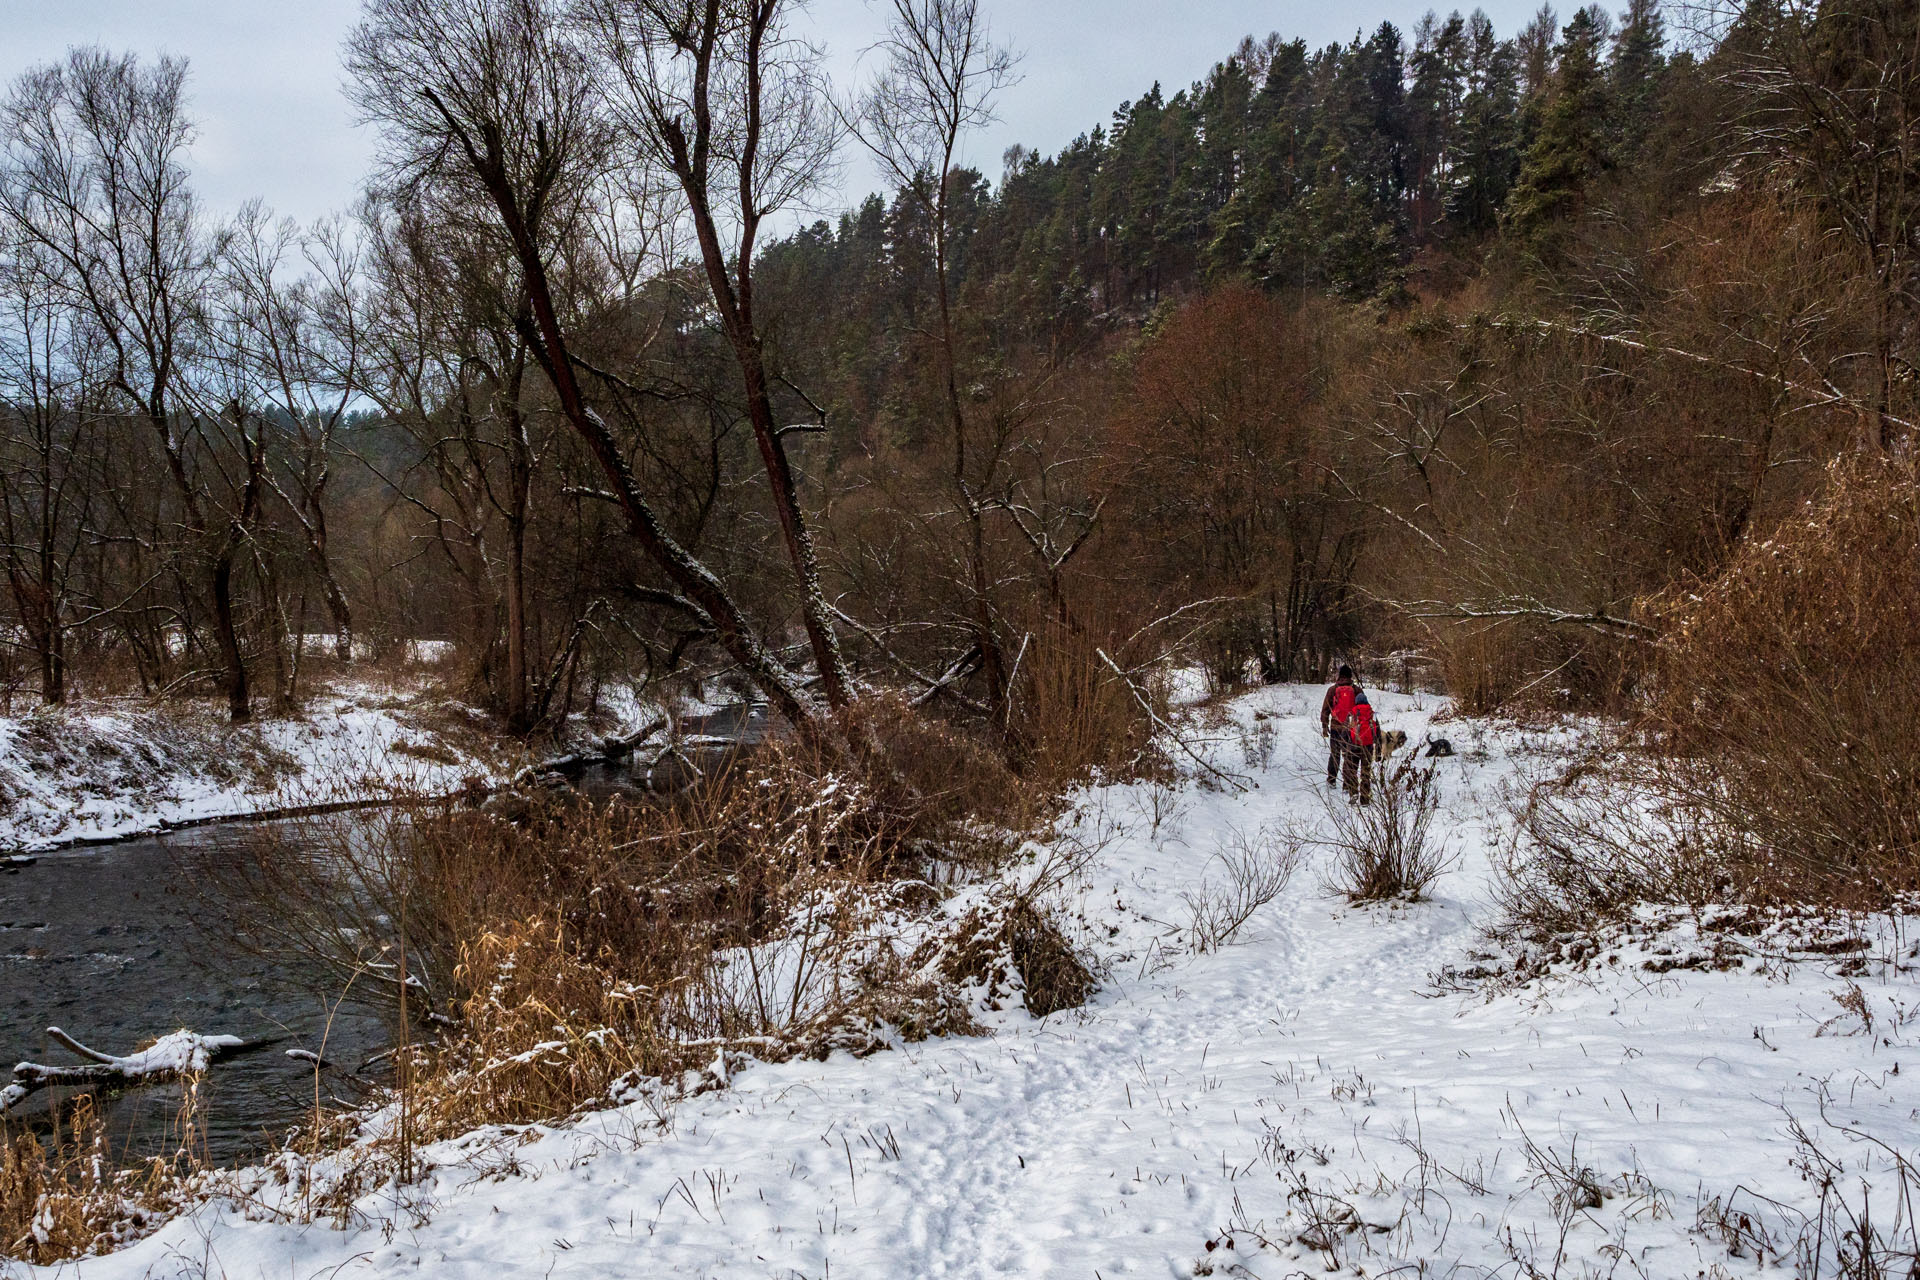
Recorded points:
(1343, 696)
(1360, 726)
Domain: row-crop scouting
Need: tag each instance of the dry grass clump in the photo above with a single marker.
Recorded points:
(1008, 947)
(543, 1029)
(1386, 849)
(1784, 713)
(941, 780)
(63, 1195)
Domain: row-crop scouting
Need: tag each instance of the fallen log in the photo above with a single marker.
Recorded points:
(171, 1057)
(609, 751)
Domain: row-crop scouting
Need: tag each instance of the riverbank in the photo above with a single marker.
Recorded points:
(109, 769)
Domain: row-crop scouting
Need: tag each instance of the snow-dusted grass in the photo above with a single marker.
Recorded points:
(1297, 1100)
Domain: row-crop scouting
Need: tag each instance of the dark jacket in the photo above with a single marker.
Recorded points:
(1326, 703)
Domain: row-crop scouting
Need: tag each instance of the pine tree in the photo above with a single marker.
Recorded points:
(1439, 69)
(1571, 148)
(1635, 71)
(1489, 148)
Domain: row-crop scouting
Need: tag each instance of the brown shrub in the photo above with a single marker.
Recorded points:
(1784, 708)
(1521, 668)
(1073, 715)
(544, 1029)
(567, 945)
(940, 779)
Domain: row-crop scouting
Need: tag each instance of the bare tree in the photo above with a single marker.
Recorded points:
(297, 333)
(718, 94)
(491, 100)
(95, 176)
(47, 472)
(451, 368)
(941, 74)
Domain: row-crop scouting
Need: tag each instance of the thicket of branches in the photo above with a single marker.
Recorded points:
(1440, 340)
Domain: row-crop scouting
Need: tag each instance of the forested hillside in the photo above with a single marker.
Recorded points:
(1449, 340)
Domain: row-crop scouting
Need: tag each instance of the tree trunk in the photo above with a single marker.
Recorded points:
(993, 663)
(519, 486)
(239, 709)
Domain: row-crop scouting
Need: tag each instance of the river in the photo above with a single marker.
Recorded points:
(114, 945)
(117, 944)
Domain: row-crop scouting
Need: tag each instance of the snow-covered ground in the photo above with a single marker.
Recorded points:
(1298, 1101)
(102, 770)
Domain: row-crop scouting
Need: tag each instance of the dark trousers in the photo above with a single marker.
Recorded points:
(1336, 751)
(1356, 760)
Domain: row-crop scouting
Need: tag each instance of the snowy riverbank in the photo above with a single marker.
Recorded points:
(1299, 1101)
(103, 770)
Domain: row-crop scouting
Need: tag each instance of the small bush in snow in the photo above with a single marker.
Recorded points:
(1252, 869)
(1387, 849)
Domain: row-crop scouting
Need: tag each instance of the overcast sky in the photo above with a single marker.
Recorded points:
(266, 73)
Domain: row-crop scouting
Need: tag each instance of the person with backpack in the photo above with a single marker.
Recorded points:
(1363, 735)
(1335, 709)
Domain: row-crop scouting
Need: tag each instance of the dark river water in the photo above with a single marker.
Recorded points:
(115, 945)
(123, 943)
(120, 943)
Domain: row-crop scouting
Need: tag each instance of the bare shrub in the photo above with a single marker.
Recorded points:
(63, 1194)
(1386, 849)
(1784, 706)
(1257, 744)
(1254, 868)
(1524, 668)
(1160, 805)
(1589, 845)
(1072, 715)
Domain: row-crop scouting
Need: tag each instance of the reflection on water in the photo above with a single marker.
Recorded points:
(103, 943)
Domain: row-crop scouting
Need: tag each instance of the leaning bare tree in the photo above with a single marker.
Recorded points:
(720, 95)
(490, 104)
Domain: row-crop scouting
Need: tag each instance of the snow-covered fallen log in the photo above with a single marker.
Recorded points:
(177, 1054)
(609, 751)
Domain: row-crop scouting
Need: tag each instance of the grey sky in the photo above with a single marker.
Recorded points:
(266, 73)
